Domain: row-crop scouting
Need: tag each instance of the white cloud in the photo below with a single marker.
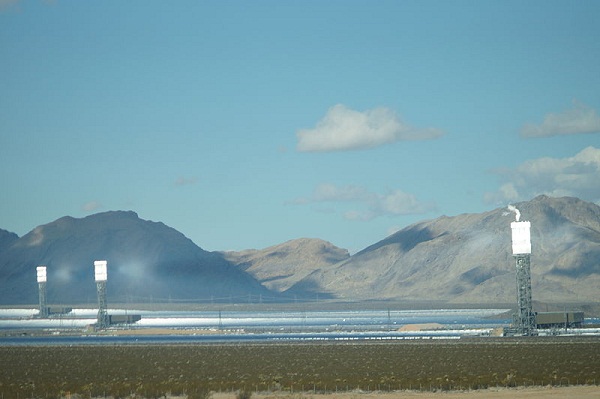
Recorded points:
(7, 3)
(184, 181)
(343, 129)
(91, 206)
(579, 119)
(331, 192)
(397, 202)
(370, 205)
(577, 176)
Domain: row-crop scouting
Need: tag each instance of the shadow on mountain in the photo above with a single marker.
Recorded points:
(147, 261)
(406, 239)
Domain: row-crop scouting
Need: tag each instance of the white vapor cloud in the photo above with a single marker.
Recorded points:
(343, 129)
(371, 205)
(579, 119)
(577, 176)
(393, 229)
(91, 206)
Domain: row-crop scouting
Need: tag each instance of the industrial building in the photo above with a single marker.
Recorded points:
(567, 319)
(104, 320)
(124, 319)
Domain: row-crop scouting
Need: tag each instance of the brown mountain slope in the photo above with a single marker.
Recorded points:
(467, 258)
(281, 266)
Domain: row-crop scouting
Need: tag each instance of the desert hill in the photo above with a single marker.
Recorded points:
(467, 258)
(6, 239)
(282, 266)
(147, 261)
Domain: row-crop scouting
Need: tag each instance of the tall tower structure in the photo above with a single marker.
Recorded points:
(101, 275)
(41, 279)
(521, 249)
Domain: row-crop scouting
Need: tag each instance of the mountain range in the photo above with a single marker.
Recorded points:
(461, 259)
(468, 258)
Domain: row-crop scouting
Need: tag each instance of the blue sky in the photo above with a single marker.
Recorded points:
(247, 124)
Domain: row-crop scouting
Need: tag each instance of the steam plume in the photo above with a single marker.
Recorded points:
(516, 211)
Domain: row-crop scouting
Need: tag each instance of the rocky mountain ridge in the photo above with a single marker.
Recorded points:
(462, 259)
(467, 258)
(282, 266)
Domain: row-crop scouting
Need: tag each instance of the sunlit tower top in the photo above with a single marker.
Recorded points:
(41, 274)
(101, 275)
(521, 238)
(41, 279)
(100, 270)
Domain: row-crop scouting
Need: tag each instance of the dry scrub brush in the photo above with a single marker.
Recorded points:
(152, 371)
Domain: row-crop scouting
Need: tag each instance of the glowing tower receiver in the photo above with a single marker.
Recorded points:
(521, 249)
(41, 279)
(101, 275)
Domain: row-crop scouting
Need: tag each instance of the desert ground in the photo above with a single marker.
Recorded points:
(557, 367)
(573, 392)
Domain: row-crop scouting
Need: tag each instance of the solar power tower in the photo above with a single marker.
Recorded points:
(41, 279)
(521, 248)
(101, 275)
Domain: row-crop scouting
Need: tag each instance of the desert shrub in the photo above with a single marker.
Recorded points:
(150, 371)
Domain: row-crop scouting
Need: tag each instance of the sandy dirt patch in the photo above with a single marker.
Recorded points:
(421, 327)
(572, 392)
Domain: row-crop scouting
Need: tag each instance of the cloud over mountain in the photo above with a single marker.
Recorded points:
(369, 205)
(91, 206)
(579, 119)
(576, 176)
(343, 129)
